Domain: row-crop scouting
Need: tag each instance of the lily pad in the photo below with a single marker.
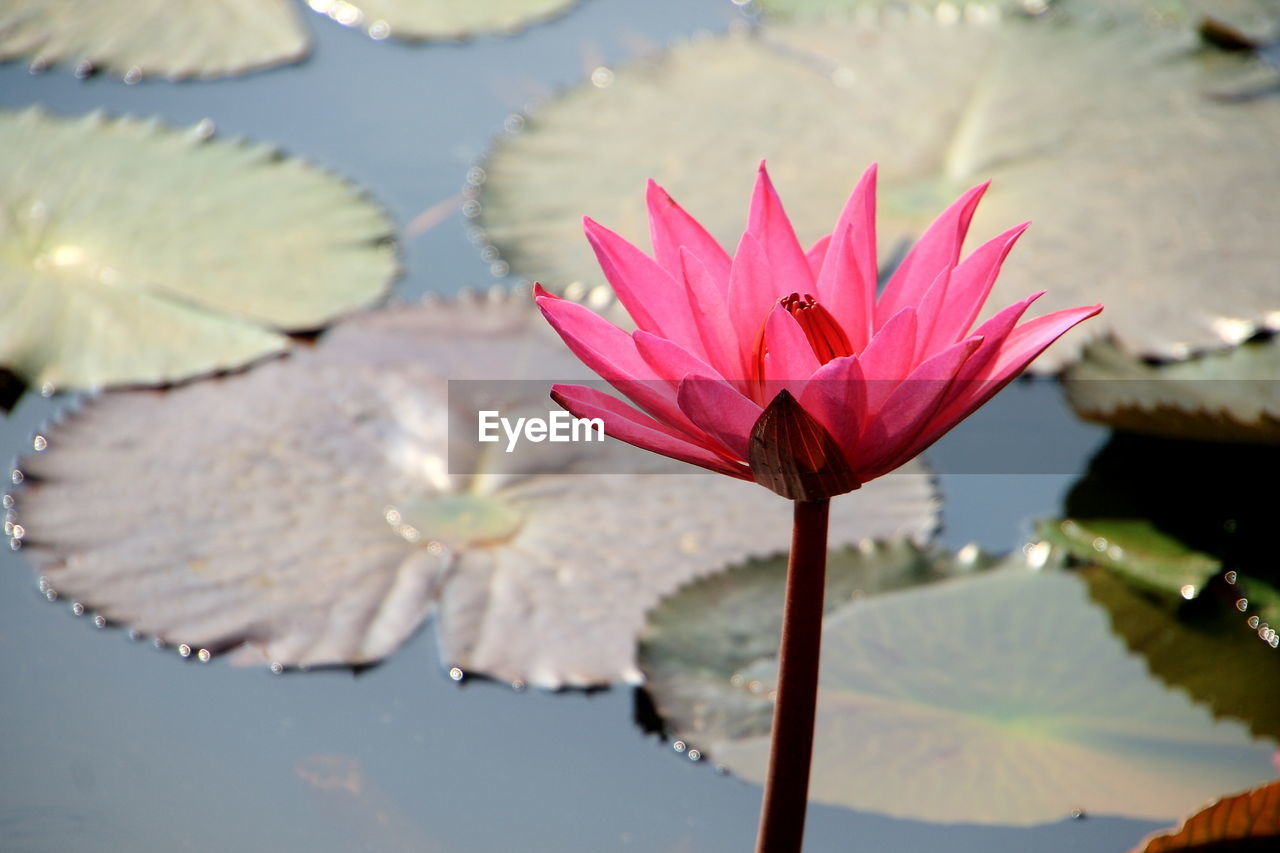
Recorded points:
(420, 20)
(1000, 698)
(310, 508)
(1237, 824)
(131, 252)
(1136, 549)
(1227, 396)
(1209, 647)
(1156, 197)
(166, 38)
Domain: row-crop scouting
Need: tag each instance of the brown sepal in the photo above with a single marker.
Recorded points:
(791, 453)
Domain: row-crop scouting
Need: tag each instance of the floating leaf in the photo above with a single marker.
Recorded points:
(1000, 698)
(168, 38)
(310, 508)
(1156, 197)
(1137, 549)
(418, 20)
(1227, 396)
(135, 253)
(1237, 824)
(1204, 646)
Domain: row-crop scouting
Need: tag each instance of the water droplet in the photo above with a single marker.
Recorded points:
(476, 176)
(1229, 577)
(1100, 544)
(99, 621)
(1188, 591)
(456, 673)
(203, 656)
(1038, 555)
(44, 586)
(40, 443)
(18, 532)
(379, 30)
(276, 667)
(754, 686)
(602, 77)
(471, 208)
(84, 68)
(1253, 622)
(1115, 552)
(499, 269)
(184, 650)
(15, 544)
(47, 390)
(1078, 814)
(203, 129)
(7, 500)
(694, 755)
(736, 679)
(134, 635)
(156, 642)
(16, 476)
(513, 123)
(77, 608)
(518, 685)
(51, 594)
(1242, 604)
(133, 75)
(678, 745)
(489, 253)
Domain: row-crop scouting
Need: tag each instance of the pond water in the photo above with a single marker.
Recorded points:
(111, 745)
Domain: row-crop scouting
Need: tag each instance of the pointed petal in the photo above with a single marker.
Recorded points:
(768, 223)
(971, 283)
(847, 282)
(932, 305)
(888, 358)
(612, 354)
(671, 228)
(1032, 338)
(905, 415)
(938, 247)
(636, 428)
(816, 254)
(788, 360)
(752, 292)
(711, 315)
(670, 362)
(716, 407)
(653, 298)
(837, 396)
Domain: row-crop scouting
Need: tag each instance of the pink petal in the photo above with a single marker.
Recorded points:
(653, 298)
(752, 293)
(612, 354)
(789, 360)
(670, 362)
(971, 282)
(904, 416)
(888, 358)
(716, 406)
(938, 248)
(836, 395)
(933, 304)
(817, 254)
(671, 229)
(711, 315)
(636, 428)
(847, 282)
(768, 223)
(1032, 338)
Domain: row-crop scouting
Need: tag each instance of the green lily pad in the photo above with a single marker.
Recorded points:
(1220, 654)
(1242, 823)
(1137, 549)
(312, 510)
(1155, 197)
(1001, 698)
(1222, 396)
(131, 252)
(165, 38)
(419, 20)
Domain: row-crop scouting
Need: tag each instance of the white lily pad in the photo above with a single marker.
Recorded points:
(1222, 396)
(306, 509)
(131, 252)
(420, 20)
(1001, 698)
(166, 38)
(1156, 196)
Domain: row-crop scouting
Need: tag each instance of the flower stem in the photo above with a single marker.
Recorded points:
(786, 787)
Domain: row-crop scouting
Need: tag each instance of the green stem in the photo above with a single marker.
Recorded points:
(786, 787)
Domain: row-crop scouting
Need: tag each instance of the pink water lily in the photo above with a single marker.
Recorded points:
(721, 338)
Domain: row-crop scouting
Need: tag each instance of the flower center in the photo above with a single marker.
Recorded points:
(824, 333)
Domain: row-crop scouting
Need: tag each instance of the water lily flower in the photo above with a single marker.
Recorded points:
(865, 382)
(788, 367)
